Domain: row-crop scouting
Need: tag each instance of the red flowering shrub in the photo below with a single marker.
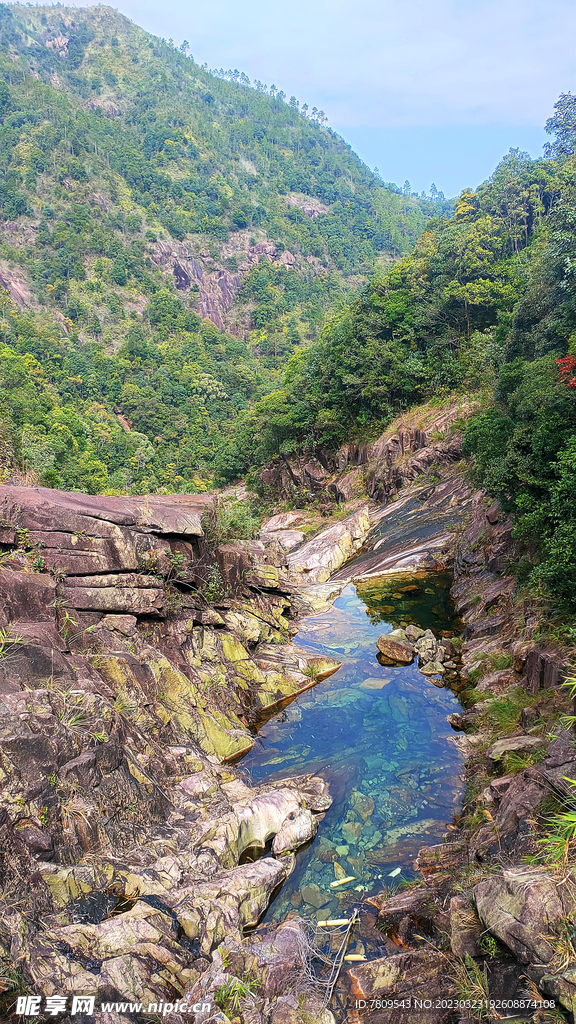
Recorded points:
(567, 375)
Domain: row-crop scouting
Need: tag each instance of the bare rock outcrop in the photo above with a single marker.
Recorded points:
(122, 695)
(378, 470)
(318, 558)
(522, 906)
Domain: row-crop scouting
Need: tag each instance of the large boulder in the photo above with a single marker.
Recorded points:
(287, 812)
(246, 563)
(411, 976)
(522, 906)
(395, 647)
(283, 528)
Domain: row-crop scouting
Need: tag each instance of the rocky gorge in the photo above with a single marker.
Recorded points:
(140, 652)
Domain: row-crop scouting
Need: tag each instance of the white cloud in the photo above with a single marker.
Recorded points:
(388, 63)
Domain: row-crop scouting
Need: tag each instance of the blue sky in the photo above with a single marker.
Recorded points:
(429, 90)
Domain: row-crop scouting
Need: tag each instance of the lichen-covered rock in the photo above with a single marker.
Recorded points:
(122, 696)
(522, 906)
(419, 974)
(561, 986)
(465, 927)
(514, 745)
(123, 952)
(124, 593)
(433, 668)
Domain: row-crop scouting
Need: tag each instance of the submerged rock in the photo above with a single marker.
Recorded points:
(314, 897)
(352, 831)
(374, 683)
(363, 805)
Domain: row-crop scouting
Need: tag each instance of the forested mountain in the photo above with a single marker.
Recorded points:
(485, 304)
(439, 318)
(167, 239)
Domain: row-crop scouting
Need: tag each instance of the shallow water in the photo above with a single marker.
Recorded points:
(379, 735)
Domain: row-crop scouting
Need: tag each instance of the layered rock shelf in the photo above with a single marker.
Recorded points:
(122, 694)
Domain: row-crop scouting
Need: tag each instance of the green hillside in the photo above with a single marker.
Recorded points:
(438, 320)
(167, 239)
(485, 305)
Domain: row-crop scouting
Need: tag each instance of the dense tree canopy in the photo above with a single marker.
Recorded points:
(441, 318)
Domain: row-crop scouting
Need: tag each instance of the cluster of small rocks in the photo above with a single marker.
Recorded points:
(435, 657)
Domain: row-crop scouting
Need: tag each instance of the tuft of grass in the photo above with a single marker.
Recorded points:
(559, 842)
(232, 520)
(469, 697)
(74, 718)
(563, 946)
(498, 661)
(9, 645)
(514, 763)
(488, 946)
(472, 985)
(229, 996)
(125, 705)
(561, 633)
(503, 713)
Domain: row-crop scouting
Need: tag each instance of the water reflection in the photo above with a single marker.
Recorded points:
(379, 735)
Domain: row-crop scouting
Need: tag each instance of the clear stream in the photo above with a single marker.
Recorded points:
(379, 735)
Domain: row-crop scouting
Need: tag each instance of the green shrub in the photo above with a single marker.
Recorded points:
(232, 520)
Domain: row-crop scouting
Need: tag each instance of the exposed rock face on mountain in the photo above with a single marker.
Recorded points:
(377, 470)
(401, 514)
(122, 692)
(196, 270)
